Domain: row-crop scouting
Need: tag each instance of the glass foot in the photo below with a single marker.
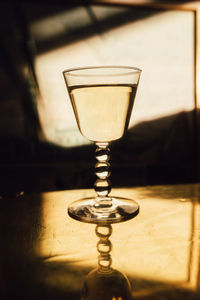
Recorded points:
(121, 210)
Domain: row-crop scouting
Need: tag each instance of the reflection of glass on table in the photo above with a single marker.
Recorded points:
(104, 282)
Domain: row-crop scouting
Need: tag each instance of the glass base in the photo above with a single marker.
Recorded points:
(121, 210)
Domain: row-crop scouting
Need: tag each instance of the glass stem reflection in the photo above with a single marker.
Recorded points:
(104, 248)
(102, 185)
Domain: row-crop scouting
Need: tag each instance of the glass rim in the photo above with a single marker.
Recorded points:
(130, 70)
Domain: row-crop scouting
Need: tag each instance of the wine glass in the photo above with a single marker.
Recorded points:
(102, 99)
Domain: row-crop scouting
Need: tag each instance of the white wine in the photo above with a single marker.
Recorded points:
(102, 98)
(102, 111)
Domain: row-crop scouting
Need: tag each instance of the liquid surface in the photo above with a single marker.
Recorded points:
(103, 111)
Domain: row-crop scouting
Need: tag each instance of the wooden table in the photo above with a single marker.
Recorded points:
(47, 255)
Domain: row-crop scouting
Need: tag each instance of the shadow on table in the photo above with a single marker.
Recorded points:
(34, 279)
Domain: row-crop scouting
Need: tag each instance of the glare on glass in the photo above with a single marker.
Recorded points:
(102, 100)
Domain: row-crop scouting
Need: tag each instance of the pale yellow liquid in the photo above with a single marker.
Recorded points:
(103, 111)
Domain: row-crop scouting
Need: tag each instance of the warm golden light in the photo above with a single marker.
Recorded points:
(59, 241)
(161, 244)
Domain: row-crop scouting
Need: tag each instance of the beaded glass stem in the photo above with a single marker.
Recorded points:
(102, 185)
(104, 247)
(102, 99)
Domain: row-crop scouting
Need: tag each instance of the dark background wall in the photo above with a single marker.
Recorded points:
(161, 151)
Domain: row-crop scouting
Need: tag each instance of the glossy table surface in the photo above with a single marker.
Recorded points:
(47, 255)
